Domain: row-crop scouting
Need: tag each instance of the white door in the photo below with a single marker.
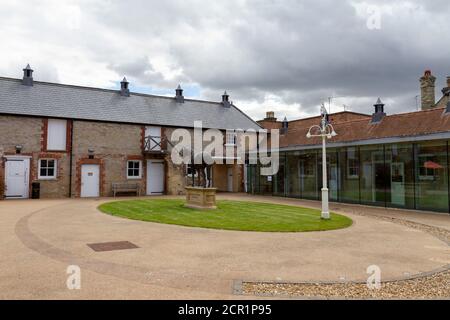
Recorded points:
(230, 179)
(155, 177)
(90, 180)
(17, 175)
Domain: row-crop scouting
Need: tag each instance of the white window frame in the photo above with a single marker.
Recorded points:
(50, 132)
(230, 139)
(55, 172)
(140, 170)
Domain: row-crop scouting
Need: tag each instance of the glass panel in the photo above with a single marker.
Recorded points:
(50, 172)
(43, 163)
(51, 163)
(374, 177)
(292, 174)
(279, 182)
(349, 174)
(307, 169)
(250, 179)
(257, 178)
(431, 176)
(43, 172)
(400, 167)
(265, 184)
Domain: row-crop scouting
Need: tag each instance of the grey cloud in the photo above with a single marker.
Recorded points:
(299, 51)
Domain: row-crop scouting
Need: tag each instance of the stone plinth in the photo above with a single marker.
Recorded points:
(201, 198)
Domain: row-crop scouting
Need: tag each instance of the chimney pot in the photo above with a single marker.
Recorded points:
(226, 100)
(27, 76)
(179, 94)
(124, 90)
(379, 113)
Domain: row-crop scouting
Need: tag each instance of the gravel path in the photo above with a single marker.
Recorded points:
(427, 286)
(434, 286)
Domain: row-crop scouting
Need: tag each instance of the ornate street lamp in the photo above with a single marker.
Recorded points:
(325, 130)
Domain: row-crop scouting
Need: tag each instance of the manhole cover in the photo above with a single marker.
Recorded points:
(111, 246)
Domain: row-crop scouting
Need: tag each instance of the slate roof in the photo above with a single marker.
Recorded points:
(85, 103)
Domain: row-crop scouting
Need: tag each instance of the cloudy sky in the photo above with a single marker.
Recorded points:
(286, 56)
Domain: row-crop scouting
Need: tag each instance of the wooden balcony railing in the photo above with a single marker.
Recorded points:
(152, 144)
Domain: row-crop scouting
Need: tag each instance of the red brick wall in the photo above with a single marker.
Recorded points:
(44, 134)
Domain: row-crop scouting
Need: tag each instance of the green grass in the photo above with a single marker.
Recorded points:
(229, 215)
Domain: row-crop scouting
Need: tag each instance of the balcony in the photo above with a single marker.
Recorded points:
(153, 145)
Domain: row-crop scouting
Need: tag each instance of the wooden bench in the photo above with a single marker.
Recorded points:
(126, 187)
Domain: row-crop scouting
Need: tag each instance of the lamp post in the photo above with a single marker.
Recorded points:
(325, 131)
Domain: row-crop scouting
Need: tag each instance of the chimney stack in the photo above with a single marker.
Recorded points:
(27, 76)
(179, 94)
(226, 100)
(379, 113)
(427, 88)
(124, 91)
(270, 116)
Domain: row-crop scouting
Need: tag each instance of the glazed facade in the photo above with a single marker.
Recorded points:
(410, 175)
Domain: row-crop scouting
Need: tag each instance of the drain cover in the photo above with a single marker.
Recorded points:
(111, 246)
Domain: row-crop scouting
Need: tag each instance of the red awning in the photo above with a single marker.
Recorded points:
(432, 165)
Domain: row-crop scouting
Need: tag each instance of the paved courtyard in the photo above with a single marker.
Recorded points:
(41, 238)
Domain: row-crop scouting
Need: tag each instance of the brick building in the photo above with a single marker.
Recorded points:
(77, 141)
(398, 160)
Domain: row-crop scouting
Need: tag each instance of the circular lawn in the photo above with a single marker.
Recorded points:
(229, 215)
